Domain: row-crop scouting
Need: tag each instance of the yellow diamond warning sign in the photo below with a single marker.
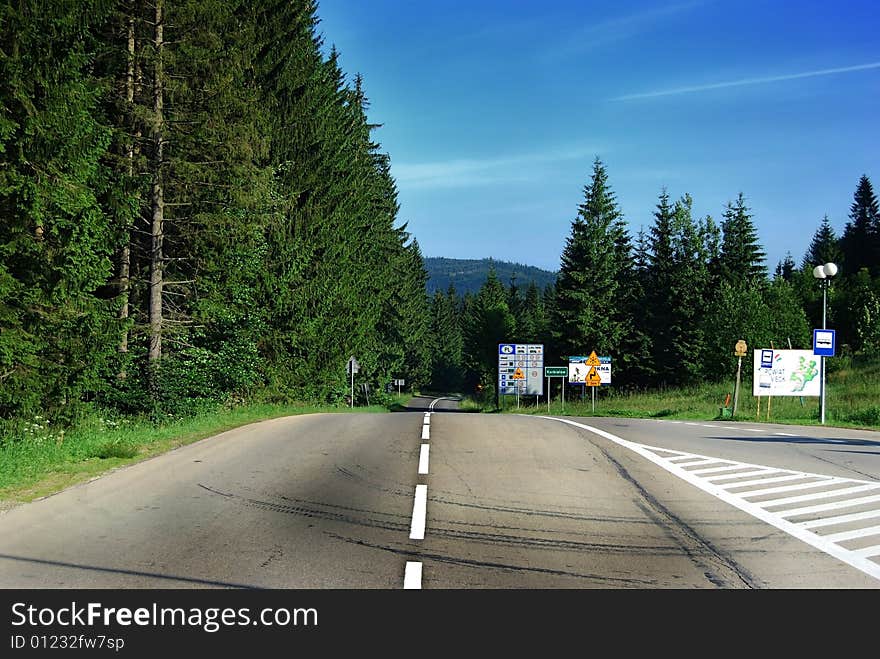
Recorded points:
(519, 375)
(593, 379)
(593, 360)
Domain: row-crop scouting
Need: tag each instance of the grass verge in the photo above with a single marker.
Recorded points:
(856, 406)
(49, 461)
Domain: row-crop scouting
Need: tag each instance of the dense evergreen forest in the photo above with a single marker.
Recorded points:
(193, 211)
(670, 303)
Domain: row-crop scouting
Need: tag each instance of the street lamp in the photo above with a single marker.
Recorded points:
(823, 273)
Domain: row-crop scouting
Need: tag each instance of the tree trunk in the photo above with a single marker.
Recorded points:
(125, 257)
(157, 204)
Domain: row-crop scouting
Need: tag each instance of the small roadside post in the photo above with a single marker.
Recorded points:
(740, 352)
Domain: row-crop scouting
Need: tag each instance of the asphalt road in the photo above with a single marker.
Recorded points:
(435, 499)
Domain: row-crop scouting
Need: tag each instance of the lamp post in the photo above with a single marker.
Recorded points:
(823, 273)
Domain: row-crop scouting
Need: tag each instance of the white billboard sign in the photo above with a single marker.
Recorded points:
(580, 367)
(785, 373)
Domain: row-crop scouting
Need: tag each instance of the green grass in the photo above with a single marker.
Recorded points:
(49, 460)
(852, 399)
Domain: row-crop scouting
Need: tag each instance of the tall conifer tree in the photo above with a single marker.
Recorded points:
(861, 235)
(594, 266)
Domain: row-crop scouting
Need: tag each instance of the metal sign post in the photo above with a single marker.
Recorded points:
(824, 343)
(555, 372)
(353, 367)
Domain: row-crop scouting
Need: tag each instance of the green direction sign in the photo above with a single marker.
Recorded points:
(556, 371)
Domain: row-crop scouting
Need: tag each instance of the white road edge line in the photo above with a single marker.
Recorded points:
(420, 508)
(853, 558)
(423, 459)
(426, 432)
(412, 576)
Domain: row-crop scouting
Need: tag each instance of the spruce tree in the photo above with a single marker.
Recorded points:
(638, 344)
(532, 317)
(742, 257)
(861, 235)
(688, 299)
(594, 266)
(824, 247)
(447, 342)
(658, 286)
(487, 323)
(785, 268)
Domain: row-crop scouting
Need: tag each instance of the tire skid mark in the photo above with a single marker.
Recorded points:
(317, 510)
(470, 562)
(309, 512)
(719, 569)
(532, 512)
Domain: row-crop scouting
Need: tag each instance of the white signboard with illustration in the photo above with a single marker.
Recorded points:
(785, 373)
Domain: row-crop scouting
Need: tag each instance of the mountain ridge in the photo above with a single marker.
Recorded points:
(468, 275)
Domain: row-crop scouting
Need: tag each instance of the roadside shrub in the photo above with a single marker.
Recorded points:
(867, 417)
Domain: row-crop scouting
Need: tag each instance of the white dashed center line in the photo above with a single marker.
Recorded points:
(426, 432)
(417, 528)
(423, 459)
(412, 578)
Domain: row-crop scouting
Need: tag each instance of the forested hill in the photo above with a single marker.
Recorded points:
(470, 274)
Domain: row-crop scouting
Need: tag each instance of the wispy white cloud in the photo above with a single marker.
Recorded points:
(618, 28)
(472, 172)
(747, 81)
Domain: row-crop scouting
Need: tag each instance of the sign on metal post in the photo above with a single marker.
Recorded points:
(824, 343)
(520, 368)
(555, 372)
(352, 367)
(591, 371)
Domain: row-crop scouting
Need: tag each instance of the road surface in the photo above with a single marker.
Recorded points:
(434, 499)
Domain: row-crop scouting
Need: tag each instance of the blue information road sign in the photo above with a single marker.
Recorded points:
(824, 342)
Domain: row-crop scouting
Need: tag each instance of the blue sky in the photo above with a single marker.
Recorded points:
(493, 112)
